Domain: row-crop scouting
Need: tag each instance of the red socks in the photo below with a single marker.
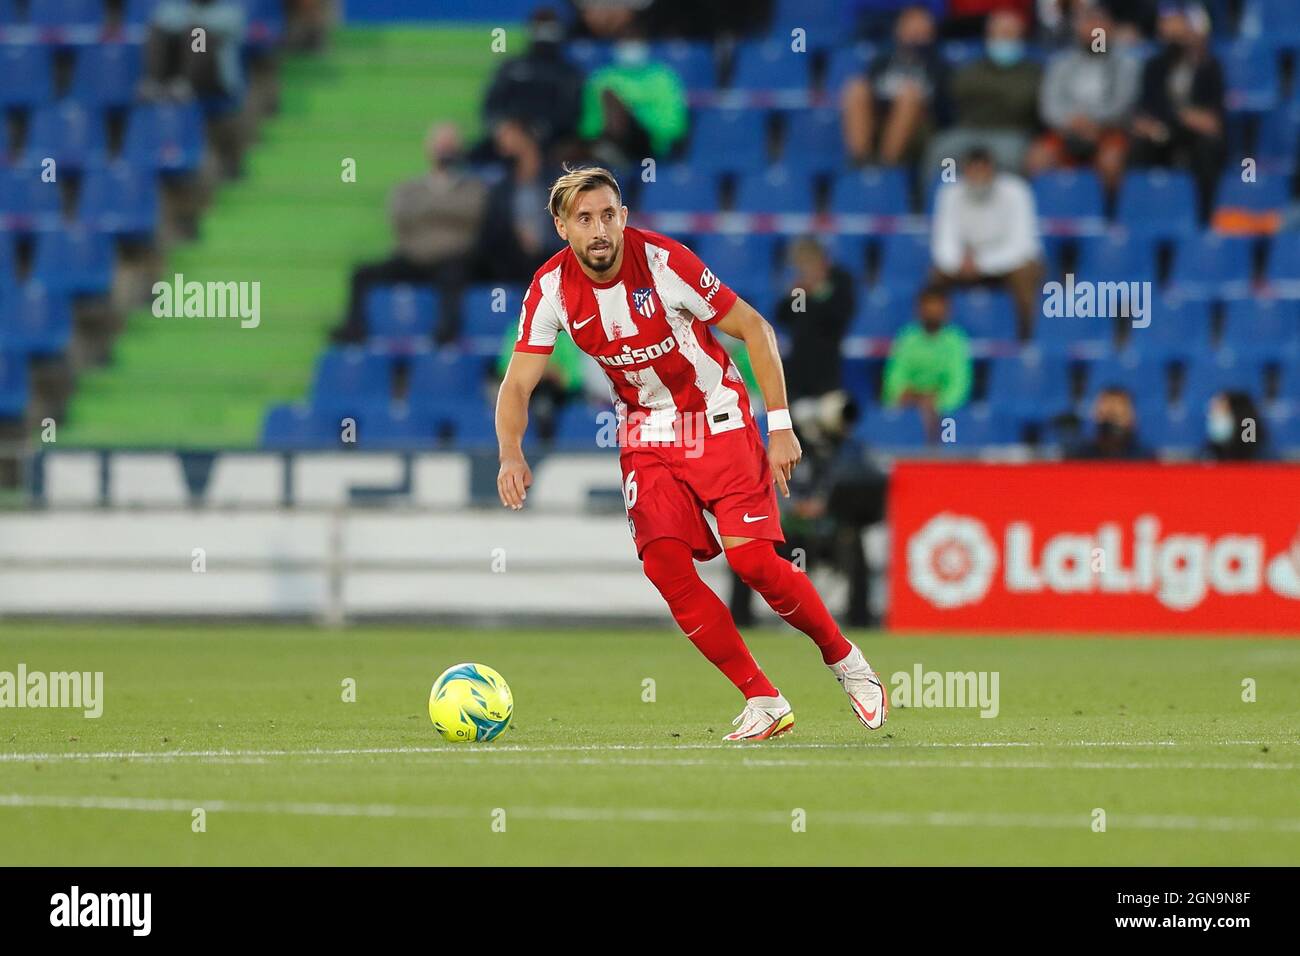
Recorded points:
(702, 616)
(790, 594)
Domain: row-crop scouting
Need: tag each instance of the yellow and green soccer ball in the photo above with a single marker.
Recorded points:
(470, 702)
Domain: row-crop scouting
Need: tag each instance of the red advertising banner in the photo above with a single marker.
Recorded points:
(1095, 547)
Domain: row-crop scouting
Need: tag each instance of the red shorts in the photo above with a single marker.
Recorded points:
(667, 490)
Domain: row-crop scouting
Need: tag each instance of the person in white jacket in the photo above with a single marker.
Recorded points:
(985, 232)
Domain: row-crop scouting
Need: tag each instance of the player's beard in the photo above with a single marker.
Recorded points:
(601, 267)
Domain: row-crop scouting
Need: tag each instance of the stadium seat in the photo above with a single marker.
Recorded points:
(1068, 194)
(106, 74)
(70, 134)
(845, 63)
(577, 426)
(401, 314)
(1279, 139)
(1158, 203)
(487, 310)
(13, 383)
(74, 260)
(823, 20)
(1266, 195)
(880, 313)
(693, 62)
(975, 426)
(777, 189)
(1163, 426)
(770, 65)
(350, 376)
(8, 260)
(165, 137)
(27, 201)
(1030, 387)
(468, 420)
(295, 428)
(846, 250)
(26, 75)
(139, 12)
(1116, 257)
(874, 191)
(1206, 376)
(443, 375)
(813, 141)
(1211, 266)
(1283, 270)
(891, 427)
(984, 314)
(743, 262)
(1253, 80)
(1262, 327)
(65, 14)
(1074, 336)
(35, 320)
(384, 425)
(678, 187)
(728, 140)
(120, 200)
(1179, 329)
(904, 263)
(1145, 378)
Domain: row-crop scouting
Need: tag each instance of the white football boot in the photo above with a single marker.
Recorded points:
(762, 719)
(867, 694)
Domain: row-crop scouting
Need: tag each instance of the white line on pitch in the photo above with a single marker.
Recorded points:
(652, 814)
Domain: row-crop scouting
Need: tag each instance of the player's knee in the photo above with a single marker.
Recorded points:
(757, 564)
(667, 563)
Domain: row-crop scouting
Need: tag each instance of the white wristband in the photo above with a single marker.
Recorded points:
(778, 419)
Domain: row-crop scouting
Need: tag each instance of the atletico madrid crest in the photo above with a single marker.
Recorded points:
(644, 300)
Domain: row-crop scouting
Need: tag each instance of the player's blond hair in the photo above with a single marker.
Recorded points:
(565, 190)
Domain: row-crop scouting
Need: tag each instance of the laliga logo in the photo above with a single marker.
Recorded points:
(951, 562)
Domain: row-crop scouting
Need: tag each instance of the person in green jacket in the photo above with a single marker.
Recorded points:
(634, 108)
(929, 364)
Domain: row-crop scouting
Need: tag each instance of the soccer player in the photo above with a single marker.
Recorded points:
(640, 304)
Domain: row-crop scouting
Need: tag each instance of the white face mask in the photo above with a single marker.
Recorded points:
(1218, 427)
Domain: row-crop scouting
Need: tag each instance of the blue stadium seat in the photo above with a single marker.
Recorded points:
(26, 75)
(106, 74)
(846, 63)
(13, 384)
(770, 65)
(1157, 203)
(1268, 193)
(904, 262)
(1147, 379)
(1281, 426)
(679, 187)
(743, 262)
(1262, 327)
(36, 321)
(384, 425)
(1279, 139)
(691, 60)
(8, 260)
(1163, 426)
(479, 312)
(265, 19)
(1211, 266)
(825, 21)
(1283, 270)
(74, 260)
(777, 189)
(728, 140)
(444, 375)
(469, 419)
(165, 137)
(1253, 80)
(1179, 329)
(10, 14)
(1205, 376)
(874, 191)
(405, 313)
(975, 426)
(1116, 257)
(590, 55)
(1077, 336)
(881, 312)
(813, 140)
(891, 427)
(350, 376)
(847, 251)
(70, 134)
(139, 12)
(66, 13)
(120, 200)
(295, 428)
(27, 201)
(1068, 194)
(577, 426)
(1030, 387)
(984, 313)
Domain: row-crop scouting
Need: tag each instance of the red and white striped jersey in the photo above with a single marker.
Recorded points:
(646, 328)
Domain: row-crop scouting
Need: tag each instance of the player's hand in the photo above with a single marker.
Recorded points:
(783, 452)
(513, 481)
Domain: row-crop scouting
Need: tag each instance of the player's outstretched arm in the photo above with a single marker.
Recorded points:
(783, 450)
(522, 376)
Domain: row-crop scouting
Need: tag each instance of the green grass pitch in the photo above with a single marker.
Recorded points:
(250, 725)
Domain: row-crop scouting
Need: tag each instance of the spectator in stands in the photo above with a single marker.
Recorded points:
(1233, 428)
(929, 366)
(995, 99)
(1179, 118)
(1087, 96)
(633, 109)
(816, 313)
(436, 220)
(175, 69)
(1114, 429)
(518, 233)
(540, 89)
(888, 114)
(985, 232)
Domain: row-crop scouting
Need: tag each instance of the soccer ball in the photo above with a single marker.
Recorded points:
(470, 702)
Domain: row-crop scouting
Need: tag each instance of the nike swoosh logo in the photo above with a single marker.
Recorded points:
(578, 325)
(696, 631)
(748, 520)
(792, 610)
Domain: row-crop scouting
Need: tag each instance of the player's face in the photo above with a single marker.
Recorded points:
(594, 229)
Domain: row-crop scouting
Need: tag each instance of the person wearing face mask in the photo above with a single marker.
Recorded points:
(1179, 118)
(634, 108)
(985, 232)
(1234, 430)
(1114, 435)
(994, 99)
(888, 113)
